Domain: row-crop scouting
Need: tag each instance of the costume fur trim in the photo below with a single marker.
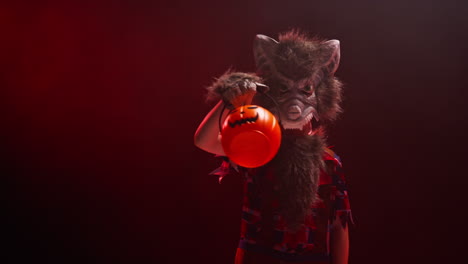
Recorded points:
(298, 165)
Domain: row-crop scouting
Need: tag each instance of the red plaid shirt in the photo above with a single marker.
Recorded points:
(263, 229)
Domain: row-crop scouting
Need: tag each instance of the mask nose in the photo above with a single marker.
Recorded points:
(294, 112)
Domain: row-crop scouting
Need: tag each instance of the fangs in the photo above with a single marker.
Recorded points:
(298, 125)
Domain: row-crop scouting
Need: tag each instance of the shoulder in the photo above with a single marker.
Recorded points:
(333, 169)
(330, 155)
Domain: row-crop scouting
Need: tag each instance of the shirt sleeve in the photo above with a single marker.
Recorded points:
(227, 167)
(341, 204)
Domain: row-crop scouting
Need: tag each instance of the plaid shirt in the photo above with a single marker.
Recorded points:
(263, 229)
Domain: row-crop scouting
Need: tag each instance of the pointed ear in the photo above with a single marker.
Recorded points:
(263, 49)
(331, 65)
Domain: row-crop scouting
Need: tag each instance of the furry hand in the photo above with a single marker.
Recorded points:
(234, 88)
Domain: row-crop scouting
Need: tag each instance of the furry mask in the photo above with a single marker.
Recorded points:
(300, 74)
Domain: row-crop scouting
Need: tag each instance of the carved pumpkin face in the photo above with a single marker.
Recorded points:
(250, 136)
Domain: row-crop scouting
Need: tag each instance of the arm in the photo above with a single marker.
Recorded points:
(207, 136)
(342, 218)
(236, 88)
(339, 242)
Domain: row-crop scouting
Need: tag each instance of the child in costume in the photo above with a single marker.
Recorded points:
(295, 207)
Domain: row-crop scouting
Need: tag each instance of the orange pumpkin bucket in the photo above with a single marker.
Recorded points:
(250, 136)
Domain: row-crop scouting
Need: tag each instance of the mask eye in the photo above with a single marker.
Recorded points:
(283, 89)
(308, 90)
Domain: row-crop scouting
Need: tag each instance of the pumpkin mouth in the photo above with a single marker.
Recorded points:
(244, 121)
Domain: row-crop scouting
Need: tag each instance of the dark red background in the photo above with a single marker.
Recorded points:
(99, 101)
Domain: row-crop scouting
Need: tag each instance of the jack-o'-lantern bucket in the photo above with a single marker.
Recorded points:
(250, 136)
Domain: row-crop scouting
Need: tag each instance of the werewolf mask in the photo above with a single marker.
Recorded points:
(299, 72)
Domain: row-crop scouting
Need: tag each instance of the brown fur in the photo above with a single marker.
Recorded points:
(297, 57)
(329, 97)
(298, 164)
(229, 85)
